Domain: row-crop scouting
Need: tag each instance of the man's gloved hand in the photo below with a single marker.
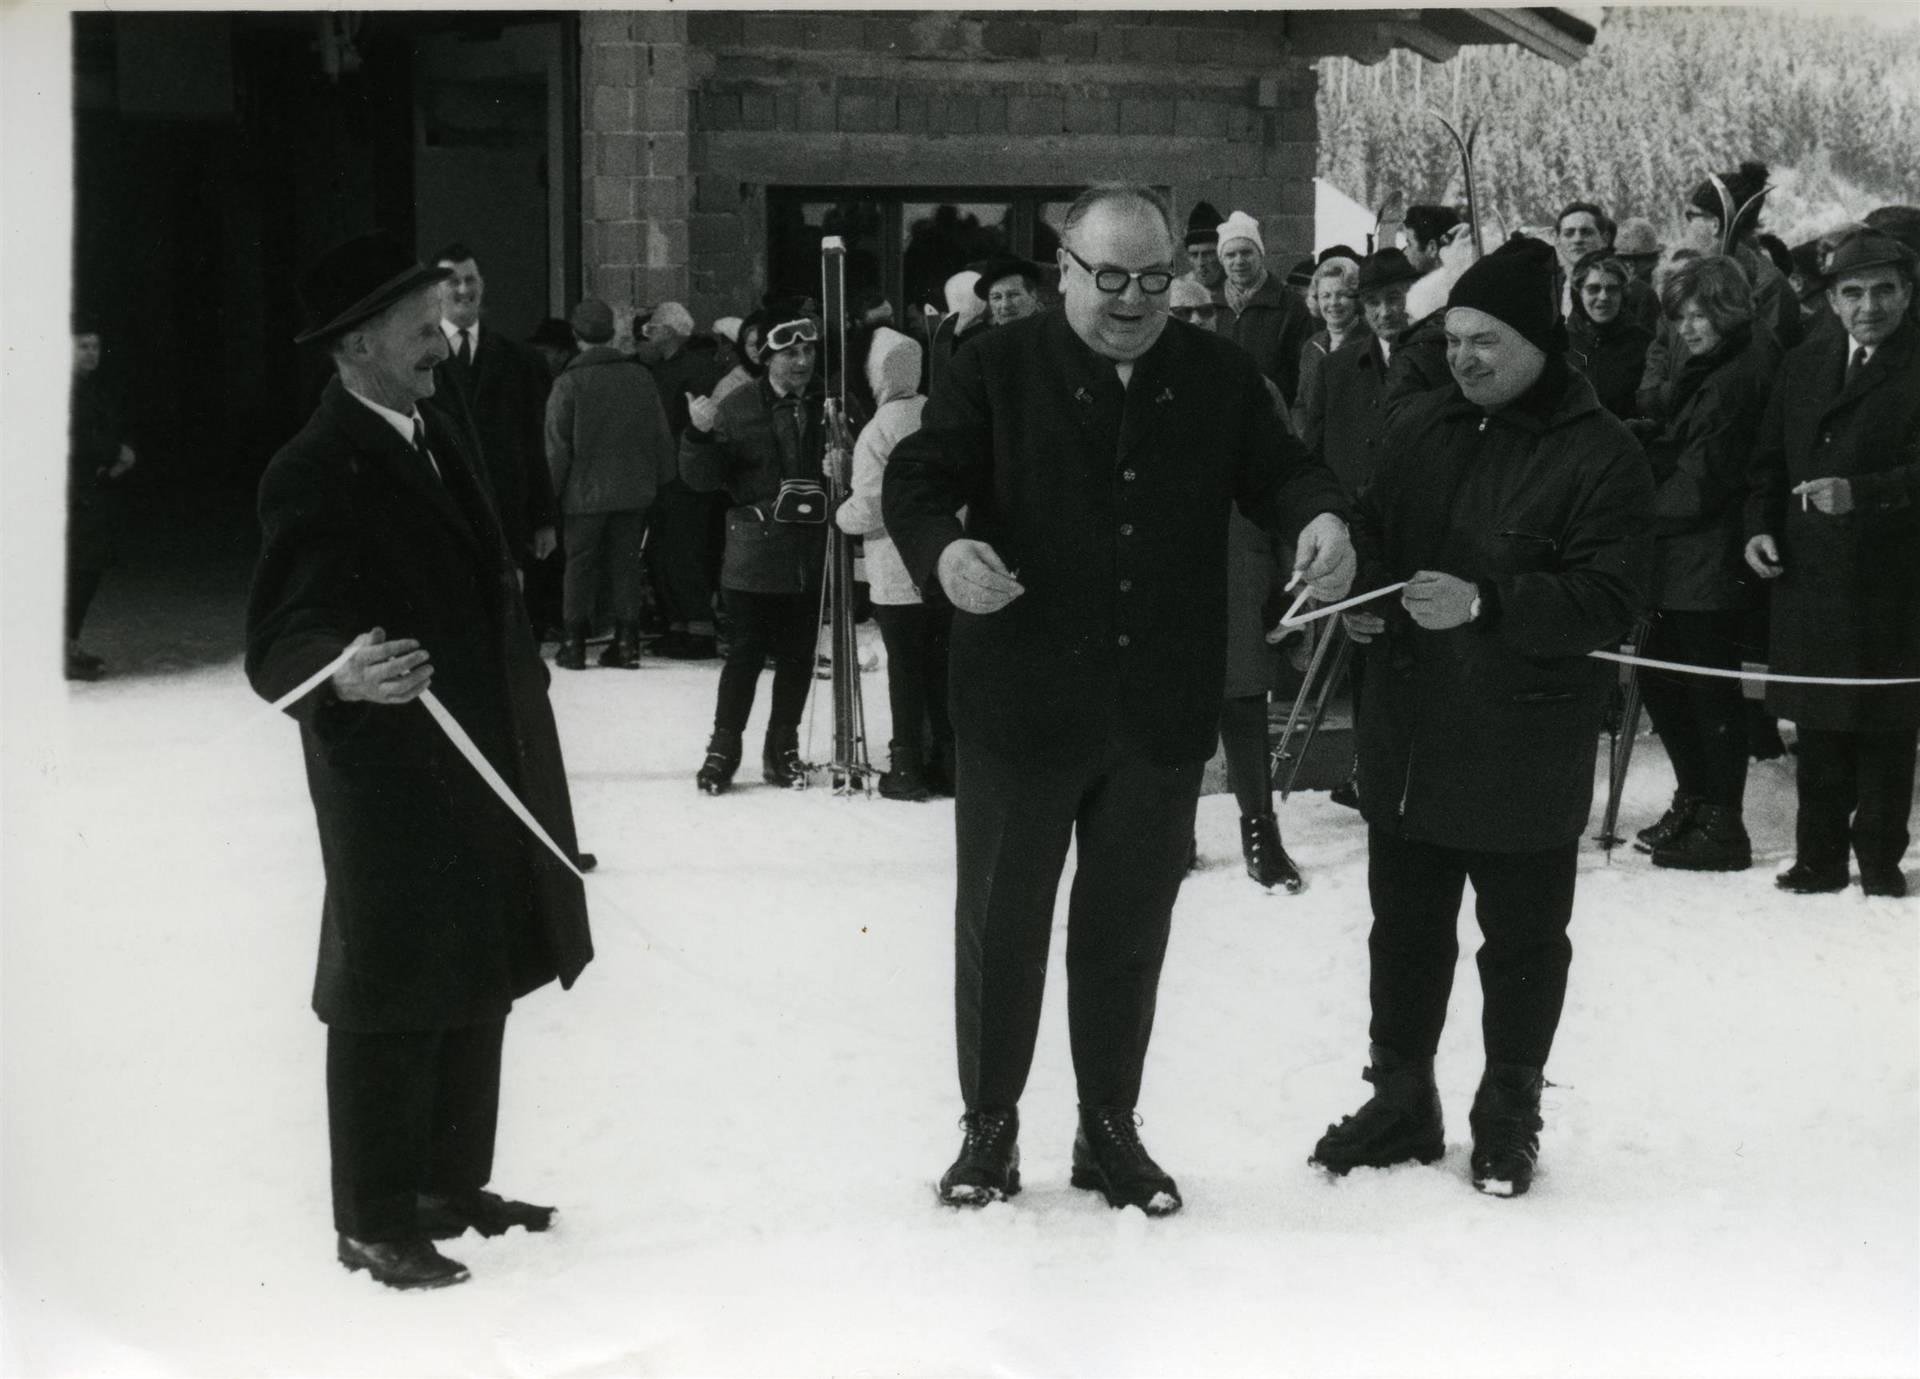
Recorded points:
(1324, 558)
(1438, 601)
(976, 579)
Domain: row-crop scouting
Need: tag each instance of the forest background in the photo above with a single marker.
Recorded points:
(1829, 103)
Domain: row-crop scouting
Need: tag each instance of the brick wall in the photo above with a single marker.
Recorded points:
(690, 117)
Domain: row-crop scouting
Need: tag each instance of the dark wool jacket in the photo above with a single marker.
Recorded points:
(1346, 427)
(1848, 603)
(440, 907)
(1274, 328)
(1483, 736)
(608, 445)
(1419, 363)
(1700, 461)
(742, 456)
(503, 395)
(1612, 357)
(1110, 503)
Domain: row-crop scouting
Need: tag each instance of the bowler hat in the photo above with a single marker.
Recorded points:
(1005, 266)
(355, 281)
(1384, 268)
(1866, 249)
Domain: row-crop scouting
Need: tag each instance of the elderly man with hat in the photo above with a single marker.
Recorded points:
(382, 558)
(609, 448)
(1010, 286)
(1265, 319)
(763, 448)
(1202, 246)
(1834, 528)
(1518, 512)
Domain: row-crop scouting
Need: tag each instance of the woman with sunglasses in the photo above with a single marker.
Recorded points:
(1605, 343)
(764, 440)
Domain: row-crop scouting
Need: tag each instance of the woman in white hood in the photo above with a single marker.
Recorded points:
(915, 633)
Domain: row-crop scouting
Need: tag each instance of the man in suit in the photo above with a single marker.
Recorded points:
(502, 385)
(1097, 451)
(1832, 527)
(380, 541)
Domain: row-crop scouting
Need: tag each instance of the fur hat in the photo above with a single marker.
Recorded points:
(1240, 225)
(1514, 284)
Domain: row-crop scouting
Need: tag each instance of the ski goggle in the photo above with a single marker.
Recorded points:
(791, 333)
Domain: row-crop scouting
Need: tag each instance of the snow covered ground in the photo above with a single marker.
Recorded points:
(743, 1105)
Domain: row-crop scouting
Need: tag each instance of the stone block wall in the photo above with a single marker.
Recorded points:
(688, 117)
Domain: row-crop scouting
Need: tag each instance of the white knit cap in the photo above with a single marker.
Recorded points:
(1240, 225)
(674, 317)
(728, 327)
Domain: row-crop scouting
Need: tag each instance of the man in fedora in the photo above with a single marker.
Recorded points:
(380, 544)
(1832, 529)
(1010, 286)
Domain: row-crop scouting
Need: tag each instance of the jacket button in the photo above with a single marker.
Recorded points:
(1126, 586)
(1124, 639)
(1127, 474)
(1126, 529)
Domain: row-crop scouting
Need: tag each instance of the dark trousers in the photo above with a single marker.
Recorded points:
(1244, 739)
(684, 553)
(1524, 902)
(1702, 720)
(409, 1113)
(916, 635)
(1130, 819)
(609, 542)
(1854, 788)
(83, 582)
(784, 627)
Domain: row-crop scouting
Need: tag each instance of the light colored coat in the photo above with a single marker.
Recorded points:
(893, 371)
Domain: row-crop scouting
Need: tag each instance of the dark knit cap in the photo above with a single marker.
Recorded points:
(1203, 224)
(592, 321)
(1514, 284)
(1743, 184)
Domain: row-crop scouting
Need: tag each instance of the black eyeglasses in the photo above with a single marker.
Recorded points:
(781, 337)
(1113, 281)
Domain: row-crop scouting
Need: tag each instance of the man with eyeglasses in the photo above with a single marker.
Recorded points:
(764, 438)
(1096, 451)
(1263, 317)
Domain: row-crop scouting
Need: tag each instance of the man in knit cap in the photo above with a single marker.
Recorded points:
(1519, 512)
(1203, 249)
(1263, 317)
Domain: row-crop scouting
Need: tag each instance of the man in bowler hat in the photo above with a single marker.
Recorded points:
(380, 541)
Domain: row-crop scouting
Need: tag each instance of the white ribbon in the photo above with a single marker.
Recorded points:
(1764, 676)
(1289, 620)
(457, 735)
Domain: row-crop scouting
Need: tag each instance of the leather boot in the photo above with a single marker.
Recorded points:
(1267, 860)
(402, 1264)
(572, 654)
(1506, 1129)
(905, 779)
(1670, 825)
(988, 1169)
(715, 776)
(780, 762)
(623, 652)
(1109, 1159)
(1400, 1122)
(1716, 842)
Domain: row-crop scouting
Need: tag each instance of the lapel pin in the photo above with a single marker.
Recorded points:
(1166, 395)
(1082, 395)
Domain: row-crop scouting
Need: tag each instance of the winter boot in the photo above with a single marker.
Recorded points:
(1109, 1159)
(906, 780)
(1812, 878)
(1670, 825)
(1267, 860)
(723, 759)
(623, 652)
(1716, 842)
(1400, 1122)
(780, 762)
(1506, 1129)
(988, 1169)
(572, 654)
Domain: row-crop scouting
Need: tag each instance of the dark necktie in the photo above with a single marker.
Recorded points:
(466, 348)
(1856, 362)
(420, 445)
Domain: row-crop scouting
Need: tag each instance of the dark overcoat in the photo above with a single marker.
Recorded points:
(1483, 736)
(742, 457)
(440, 907)
(504, 395)
(1273, 327)
(1352, 418)
(1110, 502)
(94, 437)
(1419, 363)
(1848, 603)
(1612, 357)
(1700, 461)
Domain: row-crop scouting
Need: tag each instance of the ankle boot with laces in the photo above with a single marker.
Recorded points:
(1399, 1123)
(1506, 1129)
(780, 762)
(988, 1169)
(1670, 825)
(1267, 860)
(1108, 1158)
(1717, 841)
(715, 776)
